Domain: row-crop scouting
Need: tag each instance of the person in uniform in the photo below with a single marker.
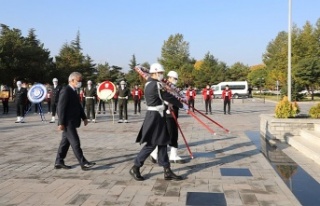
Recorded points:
(70, 113)
(90, 93)
(171, 126)
(54, 99)
(137, 95)
(207, 94)
(124, 93)
(154, 130)
(226, 96)
(20, 98)
(191, 95)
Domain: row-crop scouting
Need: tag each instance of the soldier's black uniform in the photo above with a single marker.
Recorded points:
(20, 100)
(90, 95)
(154, 131)
(55, 98)
(123, 102)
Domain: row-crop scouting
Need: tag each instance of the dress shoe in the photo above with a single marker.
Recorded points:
(135, 173)
(62, 166)
(88, 165)
(169, 175)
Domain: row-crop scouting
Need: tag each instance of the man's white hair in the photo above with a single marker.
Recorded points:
(74, 75)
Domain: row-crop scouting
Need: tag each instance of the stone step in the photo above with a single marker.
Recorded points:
(311, 136)
(307, 148)
(317, 127)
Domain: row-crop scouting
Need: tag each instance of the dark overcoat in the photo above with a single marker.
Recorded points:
(153, 130)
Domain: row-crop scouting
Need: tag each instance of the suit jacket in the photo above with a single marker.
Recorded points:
(69, 109)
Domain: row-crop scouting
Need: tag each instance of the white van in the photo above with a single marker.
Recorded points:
(239, 89)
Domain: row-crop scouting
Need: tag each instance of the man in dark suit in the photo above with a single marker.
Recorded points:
(70, 113)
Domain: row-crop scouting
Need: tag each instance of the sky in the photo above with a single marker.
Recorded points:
(113, 30)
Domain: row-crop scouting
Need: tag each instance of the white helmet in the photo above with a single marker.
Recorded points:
(54, 80)
(89, 82)
(123, 82)
(173, 74)
(156, 67)
(19, 83)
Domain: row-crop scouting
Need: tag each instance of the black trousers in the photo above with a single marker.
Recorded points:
(173, 131)
(123, 109)
(54, 109)
(90, 108)
(70, 137)
(102, 103)
(163, 159)
(5, 105)
(225, 103)
(137, 104)
(208, 104)
(20, 110)
(191, 103)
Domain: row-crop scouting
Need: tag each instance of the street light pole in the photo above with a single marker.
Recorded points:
(289, 52)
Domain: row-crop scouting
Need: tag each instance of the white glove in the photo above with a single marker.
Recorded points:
(126, 97)
(185, 107)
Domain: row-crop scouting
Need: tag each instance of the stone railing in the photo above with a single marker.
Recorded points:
(274, 128)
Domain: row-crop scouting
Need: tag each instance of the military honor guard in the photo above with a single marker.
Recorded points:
(171, 123)
(20, 98)
(54, 99)
(154, 132)
(90, 94)
(123, 97)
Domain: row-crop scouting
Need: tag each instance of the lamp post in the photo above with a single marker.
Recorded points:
(289, 52)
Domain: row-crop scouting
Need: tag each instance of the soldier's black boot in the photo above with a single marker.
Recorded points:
(135, 173)
(169, 175)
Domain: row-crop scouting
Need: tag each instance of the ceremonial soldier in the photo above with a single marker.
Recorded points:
(90, 93)
(137, 95)
(124, 93)
(154, 131)
(171, 126)
(207, 94)
(20, 98)
(191, 95)
(226, 96)
(54, 99)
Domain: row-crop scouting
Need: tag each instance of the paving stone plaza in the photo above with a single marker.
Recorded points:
(227, 168)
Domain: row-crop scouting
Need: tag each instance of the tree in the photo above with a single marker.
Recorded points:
(71, 59)
(237, 72)
(174, 53)
(23, 58)
(132, 76)
(308, 71)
